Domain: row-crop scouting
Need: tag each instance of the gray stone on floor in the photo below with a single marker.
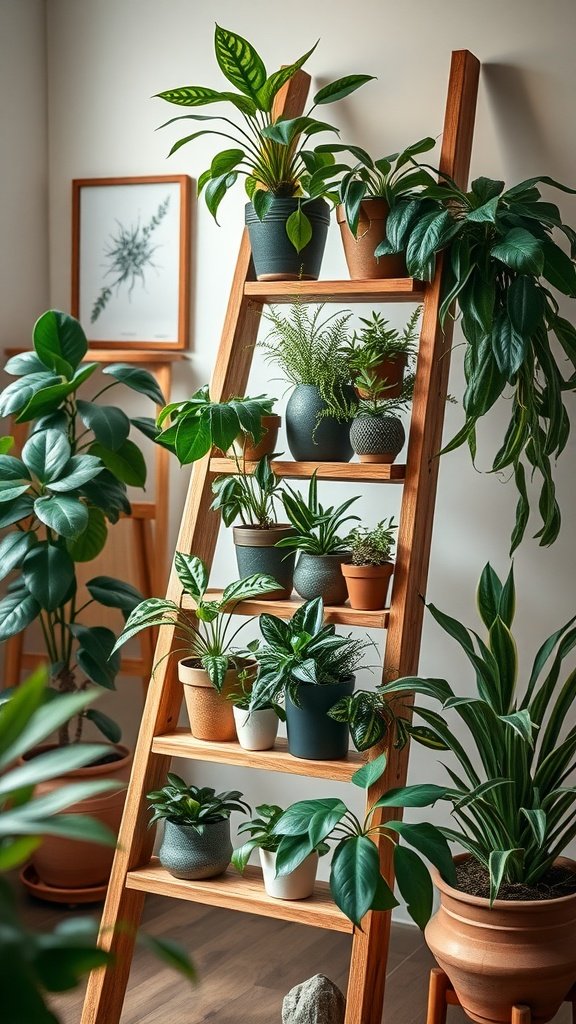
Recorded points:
(316, 1001)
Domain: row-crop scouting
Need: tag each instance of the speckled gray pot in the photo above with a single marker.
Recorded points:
(185, 854)
(377, 438)
(321, 576)
(311, 440)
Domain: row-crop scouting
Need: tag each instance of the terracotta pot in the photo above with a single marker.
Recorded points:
(256, 551)
(390, 370)
(359, 251)
(368, 585)
(244, 448)
(517, 952)
(211, 714)
(65, 863)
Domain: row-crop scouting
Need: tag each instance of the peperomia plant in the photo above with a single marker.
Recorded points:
(57, 498)
(193, 806)
(199, 424)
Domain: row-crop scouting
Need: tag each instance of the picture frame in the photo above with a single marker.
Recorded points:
(131, 261)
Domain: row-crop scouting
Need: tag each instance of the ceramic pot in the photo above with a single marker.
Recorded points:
(311, 439)
(517, 952)
(274, 256)
(321, 576)
(311, 733)
(185, 854)
(244, 447)
(258, 730)
(377, 438)
(359, 251)
(368, 585)
(67, 864)
(298, 885)
(256, 552)
(392, 372)
(210, 713)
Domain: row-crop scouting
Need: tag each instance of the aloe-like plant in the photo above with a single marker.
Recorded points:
(206, 632)
(501, 264)
(199, 424)
(317, 527)
(377, 341)
(269, 152)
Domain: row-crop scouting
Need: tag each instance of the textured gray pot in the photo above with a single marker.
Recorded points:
(274, 256)
(311, 733)
(185, 854)
(321, 576)
(310, 439)
(377, 438)
(255, 552)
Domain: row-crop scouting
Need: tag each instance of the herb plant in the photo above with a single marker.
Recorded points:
(317, 528)
(206, 632)
(249, 497)
(193, 806)
(373, 547)
(263, 835)
(242, 698)
(376, 341)
(199, 424)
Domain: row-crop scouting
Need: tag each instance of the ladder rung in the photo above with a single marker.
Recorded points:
(242, 892)
(399, 289)
(342, 614)
(350, 471)
(182, 744)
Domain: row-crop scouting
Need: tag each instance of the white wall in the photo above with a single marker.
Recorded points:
(105, 61)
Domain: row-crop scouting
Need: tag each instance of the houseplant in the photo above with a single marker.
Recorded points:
(501, 262)
(295, 885)
(210, 670)
(368, 573)
(322, 549)
(247, 450)
(57, 500)
(256, 730)
(504, 931)
(251, 497)
(313, 668)
(269, 152)
(376, 433)
(382, 351)
(196, 841)
(309, 349)
(198, 424)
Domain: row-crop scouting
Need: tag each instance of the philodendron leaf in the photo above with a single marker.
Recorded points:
(340, 88)
(415, 884)
(520, 251)
(95, 655)
(138, 380)
(370, 772)
(17, 395)
(354, 876)
(77, 472)
(296, 819)
(430, 842)
(114, 593)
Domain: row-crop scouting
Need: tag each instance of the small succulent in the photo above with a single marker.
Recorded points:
(193, 806)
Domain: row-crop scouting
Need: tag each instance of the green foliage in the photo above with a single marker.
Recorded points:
(263, 835)
(501, 265)
(317, 528)
(199, 424)
(204, 634)
(249, 497)
(376, 401)
(193, 806)
(376, 342)
(373, 547)
(242, 697)
(58, 497)
(268, 151)
(513, 808)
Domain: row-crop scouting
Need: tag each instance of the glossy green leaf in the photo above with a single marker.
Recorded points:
(423, 795)
(126, 462)
(138, 380)
(66, 516)
(88, 544)
(525, 304)
(59, 337)
(48, 572)
(13, 549)
(239, 63)
(520, 251)
(428, 841)
(109, 424)
(95, 655)
(415, 884)
(292, 852)
(113, 593)
(46, 400)
(46, 454)
(16, 395)
(274, 83)
(192, 574)
(299, 229)
(370, 772)
(24, 363)
(78, 471)
(498, 864)
(340, 88)
(559, 269)
(354, 877)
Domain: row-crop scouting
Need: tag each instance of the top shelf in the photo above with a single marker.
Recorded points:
(398, 289)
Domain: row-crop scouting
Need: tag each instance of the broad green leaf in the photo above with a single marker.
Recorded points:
(249, 587)
(559, 269)
(66, 516)
(508, 346)
(291, 853)
(138, 380)
(59, 337)
(114, 593)
(109, 424)
(50, 764)
(106, 725)
(274, 83)
(324, 821)
(13, 511)
(95, 655)
(46, 454)
(415, 884)
(126, 462)
(520, 251)
(525, 303)
(77, 472)
(17, 611)
(370, 772)
(299, 229)
(13, 549)
(193, 440)
(485, 213)
(46, 400)
(88, 544)
(262, 201)
(430, 842)
(146, 425)
(497, 866)
(239, 63)
(340, 88)
(16, 396)
(226, 161)
(354, 876)
(423, 795)
(23, 364)
(23, 724)
(108, 494)
(296, 819)
(48, 572)
(488, 595)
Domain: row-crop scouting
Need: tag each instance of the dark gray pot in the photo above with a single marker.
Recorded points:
(185, 854)
(311, 733)
(255, 552)
(274, 256)
(321, 576)
(310, 439)
(377, 438)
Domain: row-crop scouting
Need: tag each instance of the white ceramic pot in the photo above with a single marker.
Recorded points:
(298, 885)
(258, 730)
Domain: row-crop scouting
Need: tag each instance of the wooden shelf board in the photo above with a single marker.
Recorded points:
(119, 355)
(182, 744)
(347, 471)
(400, 289)
(242, 892)
(342, 615)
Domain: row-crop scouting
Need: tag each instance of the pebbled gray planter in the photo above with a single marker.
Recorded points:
(311, 733)
(274, 256)
(185, 854)
(377, 438)
(321, 576)
(256, 552)
(310, 440)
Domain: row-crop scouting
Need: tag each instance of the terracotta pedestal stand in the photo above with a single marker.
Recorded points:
(441, 995)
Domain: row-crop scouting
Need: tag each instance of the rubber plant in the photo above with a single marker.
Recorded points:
(57, 499)
(502, 266)
(191, 428)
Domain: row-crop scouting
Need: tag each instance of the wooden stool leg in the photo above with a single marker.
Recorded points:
(521, 1014)
(437, 1005)
(572, 998)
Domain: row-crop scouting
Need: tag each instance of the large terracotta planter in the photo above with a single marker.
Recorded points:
(517, 952)
(65, 863)
(210, 713)
(244, 447)
(359, 251)
(368, 585)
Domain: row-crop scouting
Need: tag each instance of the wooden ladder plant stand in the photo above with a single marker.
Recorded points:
(134, 873)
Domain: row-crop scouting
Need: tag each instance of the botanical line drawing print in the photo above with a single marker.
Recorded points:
(129, 253)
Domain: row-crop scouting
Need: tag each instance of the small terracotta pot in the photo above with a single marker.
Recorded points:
(298, 885)
(368, 585)
(211, 715)
(390, 370)
(520, 951)
(244, 447)
(359, 251)
(65, 863)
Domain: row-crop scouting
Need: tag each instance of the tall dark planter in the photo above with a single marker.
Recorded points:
(255, 552)
(274, 256)
(311, 733)
(310, 439)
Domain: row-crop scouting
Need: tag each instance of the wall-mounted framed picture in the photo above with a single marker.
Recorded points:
(131, 261)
